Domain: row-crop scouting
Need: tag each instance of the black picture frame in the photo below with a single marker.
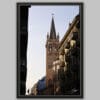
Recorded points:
(20, 48)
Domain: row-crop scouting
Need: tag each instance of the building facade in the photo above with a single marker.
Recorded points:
(22, 49)
(69, 58)
(63, 61)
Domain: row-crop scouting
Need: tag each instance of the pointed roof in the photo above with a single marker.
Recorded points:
(52, 30)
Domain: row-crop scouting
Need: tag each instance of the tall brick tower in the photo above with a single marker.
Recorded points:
(52, 44)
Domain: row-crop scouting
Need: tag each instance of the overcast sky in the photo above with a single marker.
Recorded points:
(39, 24)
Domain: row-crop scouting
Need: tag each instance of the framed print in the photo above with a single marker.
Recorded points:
(49, 50)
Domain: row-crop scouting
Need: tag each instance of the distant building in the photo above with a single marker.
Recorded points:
(41, 84)
(52, 53)
(39, 87)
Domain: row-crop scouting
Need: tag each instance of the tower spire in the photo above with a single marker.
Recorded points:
(52, 30)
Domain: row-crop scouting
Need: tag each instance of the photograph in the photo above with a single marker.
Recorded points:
(49, 50)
